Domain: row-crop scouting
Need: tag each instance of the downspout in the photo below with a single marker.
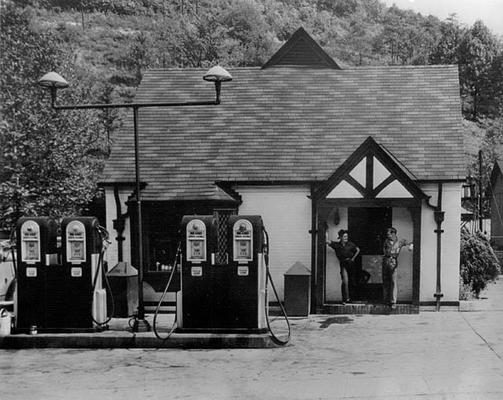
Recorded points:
(119, 224)
(439, 218)
(314, 247)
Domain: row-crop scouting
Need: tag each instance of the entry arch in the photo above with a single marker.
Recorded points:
(369, 181)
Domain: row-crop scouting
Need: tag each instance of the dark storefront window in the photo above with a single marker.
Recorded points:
(162, 233)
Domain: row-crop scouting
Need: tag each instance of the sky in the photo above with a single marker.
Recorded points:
(468, 11)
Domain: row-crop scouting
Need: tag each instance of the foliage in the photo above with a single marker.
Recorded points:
(484, 135)
(477, 51)
(446, 50)
(406, 37)
(465, 291)
(50, 160)
(116, 40)
(479, 264)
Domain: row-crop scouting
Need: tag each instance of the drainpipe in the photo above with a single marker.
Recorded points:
(439, 218)
(119, 224)
(314, 249)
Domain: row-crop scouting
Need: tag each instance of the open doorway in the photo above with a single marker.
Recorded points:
(367, 228)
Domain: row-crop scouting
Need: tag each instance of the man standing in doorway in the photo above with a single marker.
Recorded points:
(346, 252)
(391, 249)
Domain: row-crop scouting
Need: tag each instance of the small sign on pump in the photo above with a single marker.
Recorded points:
(196, 241)
(76, 242)
(243, 241)
(30, 239)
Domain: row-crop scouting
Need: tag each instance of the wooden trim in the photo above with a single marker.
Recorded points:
(370, 148)
(176, 204)
(416, 253)
(314, 269)
(343, 170)
(321, 260)
(238, 182)
(399, 174)
(459, 180)
(353, 182)
(394, 202)
(122, 184)
(382, 185)
(369, 172)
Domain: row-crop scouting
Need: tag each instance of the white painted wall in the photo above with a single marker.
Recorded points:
(111, 212)
(451, 204)
(286, 212)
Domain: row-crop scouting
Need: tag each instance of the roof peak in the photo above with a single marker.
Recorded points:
(301, 50)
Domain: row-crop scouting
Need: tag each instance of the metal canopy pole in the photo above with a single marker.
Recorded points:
(54, 81)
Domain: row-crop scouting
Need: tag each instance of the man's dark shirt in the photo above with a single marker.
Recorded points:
(343, 252)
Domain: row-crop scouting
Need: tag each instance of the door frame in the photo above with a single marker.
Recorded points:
(321, 211)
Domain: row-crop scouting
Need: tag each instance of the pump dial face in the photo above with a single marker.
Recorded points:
(196, 241)
(76, 242)
(30, 242)
(243, 240)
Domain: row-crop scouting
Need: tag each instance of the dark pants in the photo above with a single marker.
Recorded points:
(346, 278)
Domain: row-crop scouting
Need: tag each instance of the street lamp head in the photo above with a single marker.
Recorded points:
(217, 74)
(52, 80)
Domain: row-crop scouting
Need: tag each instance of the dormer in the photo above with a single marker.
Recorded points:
(301, 50)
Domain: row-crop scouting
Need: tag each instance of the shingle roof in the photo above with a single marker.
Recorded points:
(289, 124)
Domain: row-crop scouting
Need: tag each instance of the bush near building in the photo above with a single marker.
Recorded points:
(479, 264)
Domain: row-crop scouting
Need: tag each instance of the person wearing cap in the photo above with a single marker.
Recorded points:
(346, 252)
(391, 250)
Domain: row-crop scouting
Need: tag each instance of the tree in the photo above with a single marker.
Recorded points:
(491, 90)
(477, 51)
(138, 56)
(398, 37)
(48, 163)
(246, 26)
(485, 135)
(446, 51)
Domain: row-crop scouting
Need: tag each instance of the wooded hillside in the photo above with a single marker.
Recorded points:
(105, 45)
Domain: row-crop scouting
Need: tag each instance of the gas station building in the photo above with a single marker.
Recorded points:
(313, 147)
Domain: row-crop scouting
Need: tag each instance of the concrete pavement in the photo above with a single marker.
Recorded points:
(439, 356)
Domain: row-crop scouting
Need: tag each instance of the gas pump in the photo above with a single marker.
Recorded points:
(195, 302)
(36, 254)
(229, 296)
(223, 278)
(78, 299)
(246, 300)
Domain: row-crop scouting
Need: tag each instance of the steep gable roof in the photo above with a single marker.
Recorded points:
(370, 172)
(301, 50)
(288, 124)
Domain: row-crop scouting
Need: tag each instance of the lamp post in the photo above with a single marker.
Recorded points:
(54, 81)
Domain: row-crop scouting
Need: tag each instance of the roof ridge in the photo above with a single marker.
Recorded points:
(196, 69)
(421, 66)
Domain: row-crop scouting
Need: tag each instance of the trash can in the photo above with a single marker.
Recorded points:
(297, 290)
(123, 279)
(5, 322)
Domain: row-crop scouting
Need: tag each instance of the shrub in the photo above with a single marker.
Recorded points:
(479, 264)
(465, 290)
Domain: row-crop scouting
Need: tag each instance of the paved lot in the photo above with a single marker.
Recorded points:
(446, 355)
